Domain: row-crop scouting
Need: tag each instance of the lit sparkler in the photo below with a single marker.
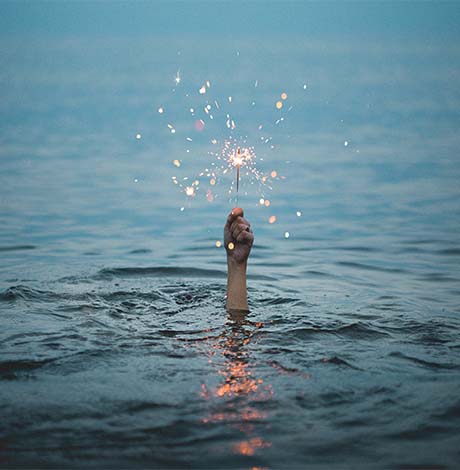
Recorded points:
(221, 119)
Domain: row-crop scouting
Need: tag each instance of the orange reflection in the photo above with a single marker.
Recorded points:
(249, 447)
(239, 394)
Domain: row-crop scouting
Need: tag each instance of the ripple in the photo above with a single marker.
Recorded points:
(425, 363)
(353, 330)
(14, 369)
(166, 271)
(369, 267)
(450, 252)
(22, 292)
(17, 248)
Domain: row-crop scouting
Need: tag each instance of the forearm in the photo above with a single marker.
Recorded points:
(236, 286)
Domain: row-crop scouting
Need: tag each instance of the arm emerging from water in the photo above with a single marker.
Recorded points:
(238, 240)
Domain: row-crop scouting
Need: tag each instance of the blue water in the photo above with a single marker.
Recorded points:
(116, 349)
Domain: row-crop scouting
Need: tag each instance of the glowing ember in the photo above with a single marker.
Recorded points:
(199, 125)
(218, 244)
(273, 174)
(190, 191)
(272, 219)
(176, 163)
(279, 104)
(283, 96)
(267, 203)
(177, 77)
(230, 246)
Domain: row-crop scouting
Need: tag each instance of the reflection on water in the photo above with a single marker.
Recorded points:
(236, 399)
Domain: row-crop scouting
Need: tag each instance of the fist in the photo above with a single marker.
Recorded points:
(238, 236)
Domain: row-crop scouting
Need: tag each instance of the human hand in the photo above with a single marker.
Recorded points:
(238, 236)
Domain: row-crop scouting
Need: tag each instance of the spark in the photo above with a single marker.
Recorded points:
(199, 125)
(176, 163)
(218, 243)
(202, 90)
(279, 104)
(230, 246)
(283, 96)
(298, 213)
(261, 201)
(138, 136)
(287, 234)
(177, 78)
(161, 110)
(345, 143)
(190, 191)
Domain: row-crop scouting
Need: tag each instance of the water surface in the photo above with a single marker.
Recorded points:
(116, 349)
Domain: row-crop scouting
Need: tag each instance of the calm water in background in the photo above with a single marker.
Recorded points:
(115, 346)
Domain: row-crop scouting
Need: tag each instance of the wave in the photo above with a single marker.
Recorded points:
(21, 292)
(370, 267)
(425, 363)
(10, 369)
(17, 248)
(353, 330)
(166, 271)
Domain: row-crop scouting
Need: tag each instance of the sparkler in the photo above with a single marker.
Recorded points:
(232, 141)
(238, 162)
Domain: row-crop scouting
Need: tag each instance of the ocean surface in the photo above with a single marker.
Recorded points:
(115, 347)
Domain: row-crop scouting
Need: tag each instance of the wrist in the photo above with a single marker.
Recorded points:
(236, 266)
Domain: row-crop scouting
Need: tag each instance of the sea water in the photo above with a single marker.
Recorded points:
(116, 349)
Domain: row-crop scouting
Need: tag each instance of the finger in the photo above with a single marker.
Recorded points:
(245, 237)
(240, 228)
(236, 212)
(238, 221)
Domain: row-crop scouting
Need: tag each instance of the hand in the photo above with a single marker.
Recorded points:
(238, 231)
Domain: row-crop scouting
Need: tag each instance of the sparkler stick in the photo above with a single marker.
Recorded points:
(238, 165)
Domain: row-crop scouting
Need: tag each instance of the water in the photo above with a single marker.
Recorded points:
(116, 349)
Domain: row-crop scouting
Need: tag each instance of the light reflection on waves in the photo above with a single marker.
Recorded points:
(237, 399)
